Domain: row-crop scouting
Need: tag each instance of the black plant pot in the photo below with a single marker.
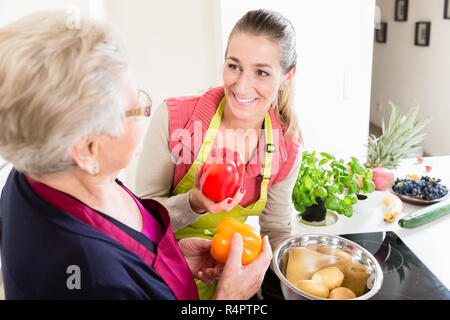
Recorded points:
(316, 212)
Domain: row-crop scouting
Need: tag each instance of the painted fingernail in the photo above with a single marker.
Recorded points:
(242, 190)
(230, 201)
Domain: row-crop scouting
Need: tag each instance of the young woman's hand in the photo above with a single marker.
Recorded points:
(241, 282)
(202, 204)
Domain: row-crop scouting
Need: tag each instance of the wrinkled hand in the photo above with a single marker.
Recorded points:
(196, 251)
(201, 204)
(241, 282)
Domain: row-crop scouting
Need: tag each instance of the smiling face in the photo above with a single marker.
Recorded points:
(252, 76)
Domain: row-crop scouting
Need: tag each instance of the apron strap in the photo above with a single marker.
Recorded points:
(269, 150)
(210, 135)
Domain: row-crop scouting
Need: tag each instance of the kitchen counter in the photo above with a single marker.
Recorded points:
(429, 242)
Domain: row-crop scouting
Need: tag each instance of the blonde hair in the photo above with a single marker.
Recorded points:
(57, 85)
(278, 29)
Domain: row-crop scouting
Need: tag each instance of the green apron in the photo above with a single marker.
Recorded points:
(205, 226)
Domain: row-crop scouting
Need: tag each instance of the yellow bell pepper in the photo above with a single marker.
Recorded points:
(220, 246)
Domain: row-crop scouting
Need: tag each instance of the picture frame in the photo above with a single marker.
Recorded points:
(447, 9)
(381, 33)
(422, 34)
(401, 10)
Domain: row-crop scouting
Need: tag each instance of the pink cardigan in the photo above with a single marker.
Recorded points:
(194, 114)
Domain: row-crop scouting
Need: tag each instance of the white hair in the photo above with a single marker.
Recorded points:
(57, 85)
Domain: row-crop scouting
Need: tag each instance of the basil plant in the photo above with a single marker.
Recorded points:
(323, 178)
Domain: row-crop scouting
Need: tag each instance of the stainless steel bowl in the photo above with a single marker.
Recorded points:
(358, 253)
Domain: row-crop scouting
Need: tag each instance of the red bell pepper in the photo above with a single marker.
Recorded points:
(222, 174)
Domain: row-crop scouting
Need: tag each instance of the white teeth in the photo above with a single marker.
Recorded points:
(245, 100)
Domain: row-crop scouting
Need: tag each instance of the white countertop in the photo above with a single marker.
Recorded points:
(429, 242)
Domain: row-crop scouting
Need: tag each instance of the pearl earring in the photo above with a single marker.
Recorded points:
(95, 170)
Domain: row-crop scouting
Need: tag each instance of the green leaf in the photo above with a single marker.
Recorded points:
(305, 200)
(299, 207)
(295, 193)
(332, 189)
(327, 156)
(350, 200)
(348, 180)
(368, 186)
(322, 192)
(305, 155)
(371, 187)
(357, 168)
(306, 172)
(338, 165)
(315, 173)
(354, 188)
(309, 183)
(332, 203)
(340, 207)
(347, 211)
(313, 197)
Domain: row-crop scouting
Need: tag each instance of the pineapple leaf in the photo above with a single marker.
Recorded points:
(398, 139)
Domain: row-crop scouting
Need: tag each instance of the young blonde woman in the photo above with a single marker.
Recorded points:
(253, 114)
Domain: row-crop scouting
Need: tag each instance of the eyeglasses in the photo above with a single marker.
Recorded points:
(145, 103)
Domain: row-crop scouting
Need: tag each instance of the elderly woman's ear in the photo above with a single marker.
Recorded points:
(85, 155)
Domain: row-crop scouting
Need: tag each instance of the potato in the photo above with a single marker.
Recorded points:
(334, 251)
(333, 267)
(303, 263)
(355, 276)
(332, 277)
(341, 293)
(316, 288)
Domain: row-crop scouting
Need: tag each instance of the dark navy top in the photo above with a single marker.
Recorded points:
(40, 244)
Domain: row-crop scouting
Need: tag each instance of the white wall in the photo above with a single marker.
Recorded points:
(403, 72)
(171, 44)
(335, 43)
(173, 47)
(12, 10)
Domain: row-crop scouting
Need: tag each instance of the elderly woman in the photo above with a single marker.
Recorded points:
(71, 117)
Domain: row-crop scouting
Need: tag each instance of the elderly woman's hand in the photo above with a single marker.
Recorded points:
(201, 204)
(196, 251)
(239, 282)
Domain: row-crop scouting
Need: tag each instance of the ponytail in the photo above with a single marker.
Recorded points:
(285, 111)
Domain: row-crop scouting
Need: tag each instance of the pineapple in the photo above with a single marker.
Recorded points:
(398, 141)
